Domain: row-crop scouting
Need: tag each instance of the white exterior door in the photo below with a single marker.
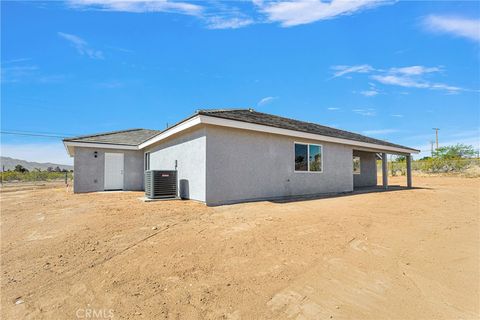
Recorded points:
(113, 171)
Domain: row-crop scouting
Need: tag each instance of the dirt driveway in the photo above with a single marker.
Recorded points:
(411, 254)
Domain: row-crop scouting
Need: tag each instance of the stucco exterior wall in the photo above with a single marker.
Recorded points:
(368, 169)
(246, 165)
(89, 172)
(189, 150)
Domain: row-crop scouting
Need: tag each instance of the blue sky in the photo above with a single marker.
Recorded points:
(391, 70)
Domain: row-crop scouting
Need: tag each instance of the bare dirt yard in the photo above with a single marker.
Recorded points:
(410, 254)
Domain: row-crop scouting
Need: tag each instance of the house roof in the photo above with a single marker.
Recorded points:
(130, 137)
(251, 116)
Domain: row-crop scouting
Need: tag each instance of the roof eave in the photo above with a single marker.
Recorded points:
(212, 120)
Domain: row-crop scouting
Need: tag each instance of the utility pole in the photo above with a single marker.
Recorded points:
(431, 147)
(436, 137)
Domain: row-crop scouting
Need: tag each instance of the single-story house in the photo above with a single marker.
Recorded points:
(234, 155)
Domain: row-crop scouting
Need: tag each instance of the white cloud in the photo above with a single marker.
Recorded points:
(369, 112)
(409, 82)
(266, 100)
(415, 70)
(379, 132)
(397, 115)
(369, 93)
(39, 152)
(138, 6)
(293, 13)
(333, 109)
(408, 77)
(457, 26)
(81, 46)
(399, 81)
(218, 22)
(343, 70)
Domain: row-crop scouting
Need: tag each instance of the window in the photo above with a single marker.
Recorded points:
(301, 157)
(356, 165)
(308, 157)
(147, 161)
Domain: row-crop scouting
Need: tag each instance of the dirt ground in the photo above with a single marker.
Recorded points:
(410, 254)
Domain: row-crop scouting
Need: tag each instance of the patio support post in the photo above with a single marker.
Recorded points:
(409, 171)
(384, 170)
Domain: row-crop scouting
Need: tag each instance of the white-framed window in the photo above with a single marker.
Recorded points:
(308, 157)
(147, 161)
(356, 165)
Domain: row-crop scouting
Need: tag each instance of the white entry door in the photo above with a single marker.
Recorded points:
(113, 171)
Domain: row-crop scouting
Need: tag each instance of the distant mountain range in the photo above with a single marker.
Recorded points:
(10, 164)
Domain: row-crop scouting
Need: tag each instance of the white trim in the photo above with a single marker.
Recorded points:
(293, 133)
(308, 156)
(70, 144)
(202, 119)
(145, 161)
(173, 130)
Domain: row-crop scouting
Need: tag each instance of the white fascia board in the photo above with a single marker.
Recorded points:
(202, 119)
(71, 144)
(299, 134)
(173, 130)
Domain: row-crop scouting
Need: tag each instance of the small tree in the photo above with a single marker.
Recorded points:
(57, 169)
(49, 169)
(455, 152)
(20, 168)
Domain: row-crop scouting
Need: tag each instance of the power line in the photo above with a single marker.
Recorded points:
(33, 134)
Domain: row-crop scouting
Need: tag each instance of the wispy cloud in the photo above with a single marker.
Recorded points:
(333, 109)
(344, 70)
(456, 26)
(113, 84)
(293, 13)
(369, 93)
(397, 115)
(266, 100)
(81, 46)
(379, 132)
(408, 77)
(138, 6)
(368, 112)
(217, 22)
(415, 70)
(15, 71)
(408, 82)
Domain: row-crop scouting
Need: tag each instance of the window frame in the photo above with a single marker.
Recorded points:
(359, 165)
(308, 156)
(146, 161)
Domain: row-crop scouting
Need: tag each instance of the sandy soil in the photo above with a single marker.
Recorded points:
(410, 254)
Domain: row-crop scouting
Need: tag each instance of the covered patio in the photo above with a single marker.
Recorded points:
(365, 169)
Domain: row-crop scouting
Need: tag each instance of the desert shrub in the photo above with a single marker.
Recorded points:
(9, 176)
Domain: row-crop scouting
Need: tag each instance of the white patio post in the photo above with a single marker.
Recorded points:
(384, 170)
(409, 171)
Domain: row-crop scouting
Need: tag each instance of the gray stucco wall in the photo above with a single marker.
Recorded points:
(89, 172)
(246, 165)
(189, 151)
(368, 169)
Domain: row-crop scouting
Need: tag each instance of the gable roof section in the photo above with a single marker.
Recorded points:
(130, 137)
(254, 117)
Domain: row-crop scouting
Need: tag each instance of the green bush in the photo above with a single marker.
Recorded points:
(34, 176)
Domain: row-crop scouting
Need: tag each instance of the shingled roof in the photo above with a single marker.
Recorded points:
(130, 137)
(251, 116)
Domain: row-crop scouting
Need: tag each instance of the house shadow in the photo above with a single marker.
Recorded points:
(356, 191)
